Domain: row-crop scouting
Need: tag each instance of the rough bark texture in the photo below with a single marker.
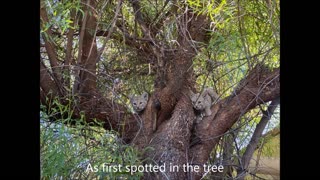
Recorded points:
(50, 47)
(262, 86)
(47, 84)
(87, 76)
(171, 141)
(177, 140)
(175, 75)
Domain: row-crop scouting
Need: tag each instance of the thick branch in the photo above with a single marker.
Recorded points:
(89, 52)
(68, 56)
(171, 142)
(139, 18)
(174, 75)
(49, 45)
(262, 86)
(254, 142)
(178, 71)
(113, 23)
(162, 16)
(47, 84)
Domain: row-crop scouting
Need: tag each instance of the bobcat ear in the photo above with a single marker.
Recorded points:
(204, 92)
(130, 96)
(190, 93)
(145, 96)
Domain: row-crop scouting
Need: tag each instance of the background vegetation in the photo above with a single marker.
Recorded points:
(126, 50)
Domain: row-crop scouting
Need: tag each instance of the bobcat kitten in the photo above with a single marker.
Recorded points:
(202, 102)
(139, 103)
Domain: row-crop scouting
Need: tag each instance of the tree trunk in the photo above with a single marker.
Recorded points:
(88, 52)
(176, 138)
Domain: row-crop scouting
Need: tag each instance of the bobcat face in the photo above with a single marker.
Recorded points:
(139, 103)
(198, 101)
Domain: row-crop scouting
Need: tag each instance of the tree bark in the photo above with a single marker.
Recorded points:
(176, 140)
(47, 84)
(50, 47)
(88, 53)
(262, 86)
(175, 76)
(171, 141)
(254, 142)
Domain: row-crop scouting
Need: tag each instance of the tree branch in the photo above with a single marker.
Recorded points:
(47, 84)
(89, 54)
(68, 56)
(262, 86)
(113, 23)
(50, 47)
(77, 82)
(160, 22)
(139, 18)
(171, 141)
(257, 134)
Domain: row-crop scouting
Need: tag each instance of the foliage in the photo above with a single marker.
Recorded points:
(241, 35)
(59, 14)
(248, 35)
(67, 150)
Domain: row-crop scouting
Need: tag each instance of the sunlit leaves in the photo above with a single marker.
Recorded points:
(66, 151)
(59, 14)
(219, 12)
(234, 47)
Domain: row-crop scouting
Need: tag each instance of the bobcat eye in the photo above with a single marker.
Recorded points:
(199, 102)
(135, 104)
(140, 103)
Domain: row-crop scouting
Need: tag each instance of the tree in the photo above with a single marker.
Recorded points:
(98, 52)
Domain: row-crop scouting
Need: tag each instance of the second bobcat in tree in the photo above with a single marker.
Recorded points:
(203, 102)
(139, 103)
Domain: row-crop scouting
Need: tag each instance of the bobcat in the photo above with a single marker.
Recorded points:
(139, 103)
(202, 102)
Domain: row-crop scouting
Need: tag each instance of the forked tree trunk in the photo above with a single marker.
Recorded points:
(170, 142)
